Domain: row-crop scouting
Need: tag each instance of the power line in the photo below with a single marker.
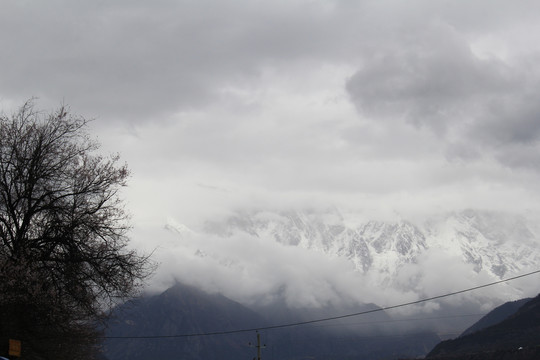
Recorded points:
(403, 320)
(300, 323)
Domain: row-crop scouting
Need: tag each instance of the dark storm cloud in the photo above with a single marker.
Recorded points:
(132, 60)
(428, 81)
(120, 59)
(513, 119)
(258, 88)
(434, 79)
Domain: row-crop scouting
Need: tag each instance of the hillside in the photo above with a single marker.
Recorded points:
(497, 315)
(171, 325)
(518, 331)
(180, 310)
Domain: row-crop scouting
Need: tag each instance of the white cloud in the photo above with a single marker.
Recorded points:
(218, 106)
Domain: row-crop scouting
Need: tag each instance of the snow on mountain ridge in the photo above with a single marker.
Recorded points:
(497, 243)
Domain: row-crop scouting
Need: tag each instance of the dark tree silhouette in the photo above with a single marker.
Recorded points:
(64, 257)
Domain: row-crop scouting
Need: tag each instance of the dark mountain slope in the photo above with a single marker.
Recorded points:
(181, 310)
(519, 330)
(496, 315)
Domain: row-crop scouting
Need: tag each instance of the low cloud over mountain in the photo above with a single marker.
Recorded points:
(312, 259)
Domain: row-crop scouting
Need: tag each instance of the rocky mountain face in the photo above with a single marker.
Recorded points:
(499, 244)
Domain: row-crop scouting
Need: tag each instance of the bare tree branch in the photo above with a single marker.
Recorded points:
(63, 230)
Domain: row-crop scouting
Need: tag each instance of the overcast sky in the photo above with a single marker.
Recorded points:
(378, 105)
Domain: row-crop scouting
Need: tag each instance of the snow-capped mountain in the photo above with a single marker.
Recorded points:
(499, 244)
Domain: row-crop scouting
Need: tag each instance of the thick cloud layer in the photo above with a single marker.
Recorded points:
(479, 107)
(380, 106)
(259, 270)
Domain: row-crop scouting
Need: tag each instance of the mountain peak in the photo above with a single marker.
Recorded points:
(495, 242)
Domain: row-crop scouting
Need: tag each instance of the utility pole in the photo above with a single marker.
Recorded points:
(258, 346)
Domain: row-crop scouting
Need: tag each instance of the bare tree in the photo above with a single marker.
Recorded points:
(63, 232)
